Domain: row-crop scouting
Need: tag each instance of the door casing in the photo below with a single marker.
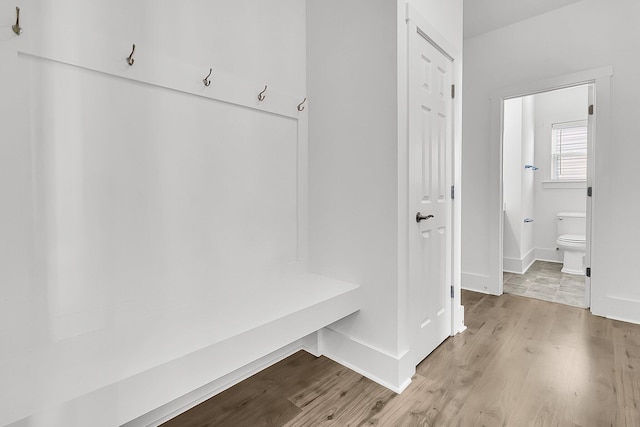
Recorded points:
(599, 80)
(407, 219)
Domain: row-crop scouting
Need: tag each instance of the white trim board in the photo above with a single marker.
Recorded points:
(476, 283)
(392, 372)
(601, 78)
(156, 68)
(519, 265)
(552, 83)
(432, 34)
(549, 255)
(564, 184)
(618, 308)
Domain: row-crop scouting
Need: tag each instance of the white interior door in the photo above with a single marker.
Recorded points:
(430, 180)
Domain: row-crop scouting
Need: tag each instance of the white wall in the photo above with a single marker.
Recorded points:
(121, 199)
(444, 15)
(353, 180)
(356, 128)
(261, 41)
(560, 106)
(527, 189)
(512, 176)
(585, 35)
(518, 184)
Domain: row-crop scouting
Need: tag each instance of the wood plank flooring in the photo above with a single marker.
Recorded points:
(521, 362)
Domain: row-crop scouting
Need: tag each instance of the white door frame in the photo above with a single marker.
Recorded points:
(405, 225)
(600, 78)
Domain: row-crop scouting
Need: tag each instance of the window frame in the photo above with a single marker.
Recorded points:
(554, 152)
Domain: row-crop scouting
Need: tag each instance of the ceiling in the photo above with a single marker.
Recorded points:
(481, 16)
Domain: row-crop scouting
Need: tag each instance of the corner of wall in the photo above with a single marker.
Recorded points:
(392, 372)
(475, 282)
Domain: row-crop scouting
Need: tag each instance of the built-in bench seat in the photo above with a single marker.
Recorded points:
(146, 359)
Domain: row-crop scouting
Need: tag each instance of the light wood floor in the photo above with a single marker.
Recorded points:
(521, 362)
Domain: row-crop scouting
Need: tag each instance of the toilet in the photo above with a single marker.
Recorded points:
(572, 227)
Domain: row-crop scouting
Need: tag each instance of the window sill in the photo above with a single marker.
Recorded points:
(564, 184)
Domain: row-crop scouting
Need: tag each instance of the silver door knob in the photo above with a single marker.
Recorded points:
(420, 217)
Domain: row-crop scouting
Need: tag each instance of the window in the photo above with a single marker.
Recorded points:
(569, 151)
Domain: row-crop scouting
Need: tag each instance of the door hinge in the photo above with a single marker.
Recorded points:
(453, 91)
(591, 110)
(451, 291)
(589, 191)
(588, 273)
(453, 192)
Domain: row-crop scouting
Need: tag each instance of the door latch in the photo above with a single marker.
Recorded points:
(420, 217)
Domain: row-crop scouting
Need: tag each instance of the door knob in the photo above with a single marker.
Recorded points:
(420, 217)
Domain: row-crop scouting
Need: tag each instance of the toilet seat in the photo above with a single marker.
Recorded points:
(572, 240)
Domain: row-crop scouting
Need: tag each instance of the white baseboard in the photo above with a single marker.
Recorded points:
(519, 265)
(616, 308)
(512, 265)
(475, 282)
(194, 398)
(375, 365)
(460, 326)
(549, 255)
(389, 371)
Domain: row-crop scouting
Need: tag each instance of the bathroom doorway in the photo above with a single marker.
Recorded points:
(546, 140)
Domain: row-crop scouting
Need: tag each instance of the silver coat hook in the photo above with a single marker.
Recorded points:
(206, 80)
(261, 95)
(130, 59)
(16, 28)
(300, 107)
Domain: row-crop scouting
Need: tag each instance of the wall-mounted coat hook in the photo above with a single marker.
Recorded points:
(261, 95)
(206, 80)
(130, 59)
(16, 28)
(300, 107)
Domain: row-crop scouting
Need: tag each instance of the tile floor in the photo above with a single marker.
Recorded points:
(545, 281)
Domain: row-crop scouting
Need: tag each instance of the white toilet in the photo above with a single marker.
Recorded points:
(572, 227)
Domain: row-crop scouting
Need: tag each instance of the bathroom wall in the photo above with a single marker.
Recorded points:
(121, 199)
(512, 185)
(559, 106)
(518, 184)
(585, 35)
(527, 188)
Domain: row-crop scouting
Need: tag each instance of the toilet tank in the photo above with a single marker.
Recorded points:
(574, 223)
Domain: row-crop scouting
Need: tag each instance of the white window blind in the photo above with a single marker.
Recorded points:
(569, 151)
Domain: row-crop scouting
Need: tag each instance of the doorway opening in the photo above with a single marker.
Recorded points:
(546, 144)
